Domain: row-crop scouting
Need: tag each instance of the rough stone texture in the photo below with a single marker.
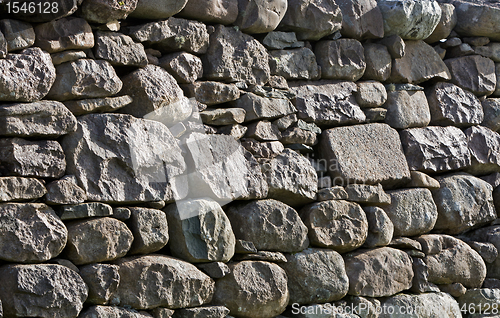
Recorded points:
(119, 49)
(379, 272)
(84, 210)
(3, 46)
(212, 93)
(214, 269)
(97, 105)
(173, 35)
(65, 8)
(478, 19)
(488, 234)
(424, 305)
(291, 178)
(24, 158)
(18, 34)
(20, 189)
(395, 45)
(484, 147)
(420, 63)
(30, 232)
(491, 108)
(270, 225)
(253, 289)
(456, 262)
(451, 105)
(421, 180)
(296, 64)
(341, 59)
(157, 9)
(327, 103)
(361, 19)
(488, 251)
(84, 78)
(112, 312)
(104, 11)
(368, 154)
(464, 202)
(363, 193)
(370, 94)
(97, 240)
(378, 62)
(258, 107)
(316, 276)
(134, 162)
(215, 11)
(412, 211)
(102, 281)
(263, 131)
(48, 119)
(25, 291)
(177, 284)
(150, 230)
(200, 231)
(64, 191)
(473, 73)
(233, 56)
(406, 109)
(263, 149)
(67, 56)
(198, 312)
(475, 300)
(412, 20)
(435, 149)
(26, 77)
(312, 19)
(380, 227)
(223, 116)
(184, 67)
(260, 16)
(445, 25)
(64, 34)
(336, 224)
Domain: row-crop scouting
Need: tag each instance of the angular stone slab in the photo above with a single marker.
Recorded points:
(20, 189)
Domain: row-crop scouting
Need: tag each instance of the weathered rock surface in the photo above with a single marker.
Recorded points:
(491, 109)
(139, 158)
(48, 119)
(270, 225)
(478, 19)
(327, 103)
(212, 93)
(104, 11)
(380, 227)
(393, 272)
(20, 189)
(64, 8)
(97, 240)
(370, 94)
(368, 154)
(424, 305)
(296, 64)
(312, 19)
(84, 78)
(445, 25)
(97, 105)
(223, 116)
(64, 34)
(157, 9)
(475, 299)
(278, 40)
(435, 149)
(453, 262)
(253, 289)
(65, 191)
(336, 224)
(208, 312)
(489, 234)
(184, 67)
(177, 284)
(25, 291)
(419, 64)
(378, 62)
(260, 16)
(216, 11)
(406, 109)
(102, 281)
(26, 77)
(18, 34)
(112, 311)
(84, 210)
(363, 193)
(473, 73)
(200, 231)
(233, 56)
(150, 230)
(341, 59)
(361, 19)
(258, 107)
(412, 211)
(119, 49)
(464, 202)
(484, 147)
(30, 232)
(20, 157)
(291, 178)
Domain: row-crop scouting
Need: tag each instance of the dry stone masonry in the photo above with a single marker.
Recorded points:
(250, 158)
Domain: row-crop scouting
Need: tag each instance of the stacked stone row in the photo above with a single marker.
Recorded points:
(245, 158)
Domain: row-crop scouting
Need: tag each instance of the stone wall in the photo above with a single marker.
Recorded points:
(249, 158)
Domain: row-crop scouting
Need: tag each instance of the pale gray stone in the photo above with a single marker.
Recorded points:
(407, 109)
(491, 108)
(258, 107)
(278, 40)
(421, 180)
(199, 312)
(361, 19)
(364, 193)
(119, 49)
(102, 281)
(64, 34)
(212, 93)
(380, 227)
(370, 94)
(295, 64)
(478, 19)
(104, 11)
(211, 11)
(223, 116)
(260, 16)
(378, 62)
(150, 230)
(112, 312)
(268, 149)
(18, 34)
(425, 305)
(263, 131)
(214, 269)
(98, 105)
(185, 67)
(484, 147)
(473, 73)
(20, 189)
(445, 25)
(341, 59)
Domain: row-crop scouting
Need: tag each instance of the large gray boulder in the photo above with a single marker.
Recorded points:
(453, 261)
(97, 240)
(336, 224)
(164, 282)
(341, 59)
(41, 290)
(131, 160)
(260, 16)
(215, 11)
(379, 272)
(150, 230)
(200, 231)
(412, 211)
(478, 18)
(20, 157)
(312, 19)
(315, 276)
(291, 178)
(234, 56)
(157, 9)
(410, 19)
(30, 233)
(84, 78)
(327, 103)
(21, 189)
(26, 77)
(464, 202)
(64, 34)
(361, 19)
(473, 73)
(270, 225)
(368, 154)
(253, 289)
(49, 119)
(435, 149)
(425, 305)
